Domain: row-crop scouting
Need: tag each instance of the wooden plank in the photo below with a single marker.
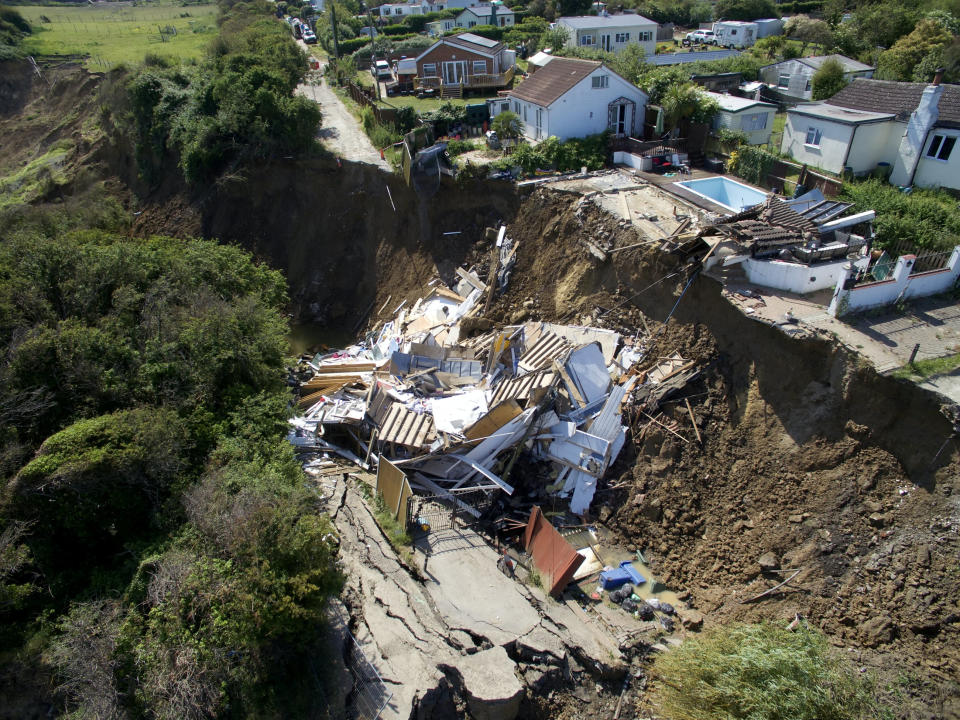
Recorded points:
(471, 280)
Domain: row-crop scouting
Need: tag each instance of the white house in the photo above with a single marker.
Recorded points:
(438, 27)
(751, 117)
(485, 14)
(401, 10)
(570, 98)
(910, 129)
(611, 32)
(794, 78)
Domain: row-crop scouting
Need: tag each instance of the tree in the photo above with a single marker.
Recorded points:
(828, 80)
(555, 38)
(687, 102)
(506, 125)
(899, 62)
(808, 30)
(745, 10)
(881, 25)
(735, 672)
(769, 47)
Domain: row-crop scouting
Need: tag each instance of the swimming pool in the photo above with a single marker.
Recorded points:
(728, 193)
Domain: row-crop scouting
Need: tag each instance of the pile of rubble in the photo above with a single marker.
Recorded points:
(455, 411)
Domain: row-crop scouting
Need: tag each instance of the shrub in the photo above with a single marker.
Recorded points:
(751, 163)
(353, 44)
(925, 219)
(760, 672)
(459, 147)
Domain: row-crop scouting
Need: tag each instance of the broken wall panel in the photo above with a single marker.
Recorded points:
(555, 559)
(393, 487)
(407, 428)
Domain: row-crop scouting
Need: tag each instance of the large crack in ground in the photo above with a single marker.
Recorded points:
(443, 645)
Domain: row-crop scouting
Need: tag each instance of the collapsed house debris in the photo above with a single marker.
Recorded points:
(454, 411)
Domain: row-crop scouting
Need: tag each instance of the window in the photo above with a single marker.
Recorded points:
(525, 106)
(479, 67)
(752, 123)
(784, 80)
(516, 107)
(644, 36)
(941, 146)
(600, 81)
(813, 137)
(398, 11)
(587, 40)
(471, 24)
(733, 31)
(808, 87)
(429, 69)
(623, 37)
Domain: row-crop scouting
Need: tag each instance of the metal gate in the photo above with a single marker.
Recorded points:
(456, 508)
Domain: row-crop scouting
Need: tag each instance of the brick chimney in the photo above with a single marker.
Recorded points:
(919, 125)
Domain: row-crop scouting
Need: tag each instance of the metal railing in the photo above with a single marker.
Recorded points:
(369, 695)
(469, 82)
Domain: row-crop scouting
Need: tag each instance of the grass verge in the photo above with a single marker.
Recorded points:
(922, 369)
(114, 34)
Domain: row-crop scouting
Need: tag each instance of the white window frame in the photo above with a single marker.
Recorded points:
(816, 139)
(430, 70)
(622, 37)
(937, 143)
(783, 80)
(600, 82)
(588, 40)
(645, 36)
(483, 67)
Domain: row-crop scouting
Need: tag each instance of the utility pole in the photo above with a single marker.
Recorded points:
(333, 28)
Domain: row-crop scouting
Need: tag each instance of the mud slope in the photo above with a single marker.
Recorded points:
(349, 237)
(808, 455)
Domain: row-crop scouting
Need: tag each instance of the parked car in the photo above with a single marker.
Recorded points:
(706, 37)
(381, 70)
(309, 37)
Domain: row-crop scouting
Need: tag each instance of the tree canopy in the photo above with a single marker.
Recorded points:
(828, 80)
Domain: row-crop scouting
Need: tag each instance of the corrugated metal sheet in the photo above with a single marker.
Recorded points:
(407, 428)
(608, 423)
(554, 557)
(548, 347)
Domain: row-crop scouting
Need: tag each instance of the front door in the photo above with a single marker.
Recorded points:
(620, 116)
(622, 124)
(454, 72)
(605, 42)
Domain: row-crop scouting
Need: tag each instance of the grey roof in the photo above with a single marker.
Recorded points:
(689, 57)
(585, 22)
(846, 63)
(899, 98)
(847, 116)
(732, 103)
(476, 39)
(550, 82)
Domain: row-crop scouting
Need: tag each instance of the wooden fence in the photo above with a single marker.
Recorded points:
(366, 98)
(782, 170)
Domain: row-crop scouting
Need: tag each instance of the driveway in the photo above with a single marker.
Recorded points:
(340, 132)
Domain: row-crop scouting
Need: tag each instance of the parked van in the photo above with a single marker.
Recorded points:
(735, 33)
(297, 31)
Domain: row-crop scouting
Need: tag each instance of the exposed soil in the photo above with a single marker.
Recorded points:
(807, 454)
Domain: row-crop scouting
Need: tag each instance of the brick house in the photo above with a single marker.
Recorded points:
(465, 62)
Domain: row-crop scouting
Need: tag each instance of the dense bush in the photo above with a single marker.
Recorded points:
(353, 44)
(152, 512)
(752, 163)
(13, 28)
(235, 107)
(926, 219)
(551, 154)
(760, 672)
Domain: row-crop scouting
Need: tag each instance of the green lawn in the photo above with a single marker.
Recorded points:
(111, 35)
(422, 105)
(922, 369)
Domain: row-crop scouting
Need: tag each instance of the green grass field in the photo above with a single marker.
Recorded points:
(111, 34)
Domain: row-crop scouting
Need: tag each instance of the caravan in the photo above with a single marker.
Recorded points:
(735, 33)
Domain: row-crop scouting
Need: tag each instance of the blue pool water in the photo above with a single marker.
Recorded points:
(726, 192)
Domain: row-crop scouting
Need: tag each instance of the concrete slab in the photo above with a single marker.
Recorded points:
(491, 685)
(885, 339)
(470, 592)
